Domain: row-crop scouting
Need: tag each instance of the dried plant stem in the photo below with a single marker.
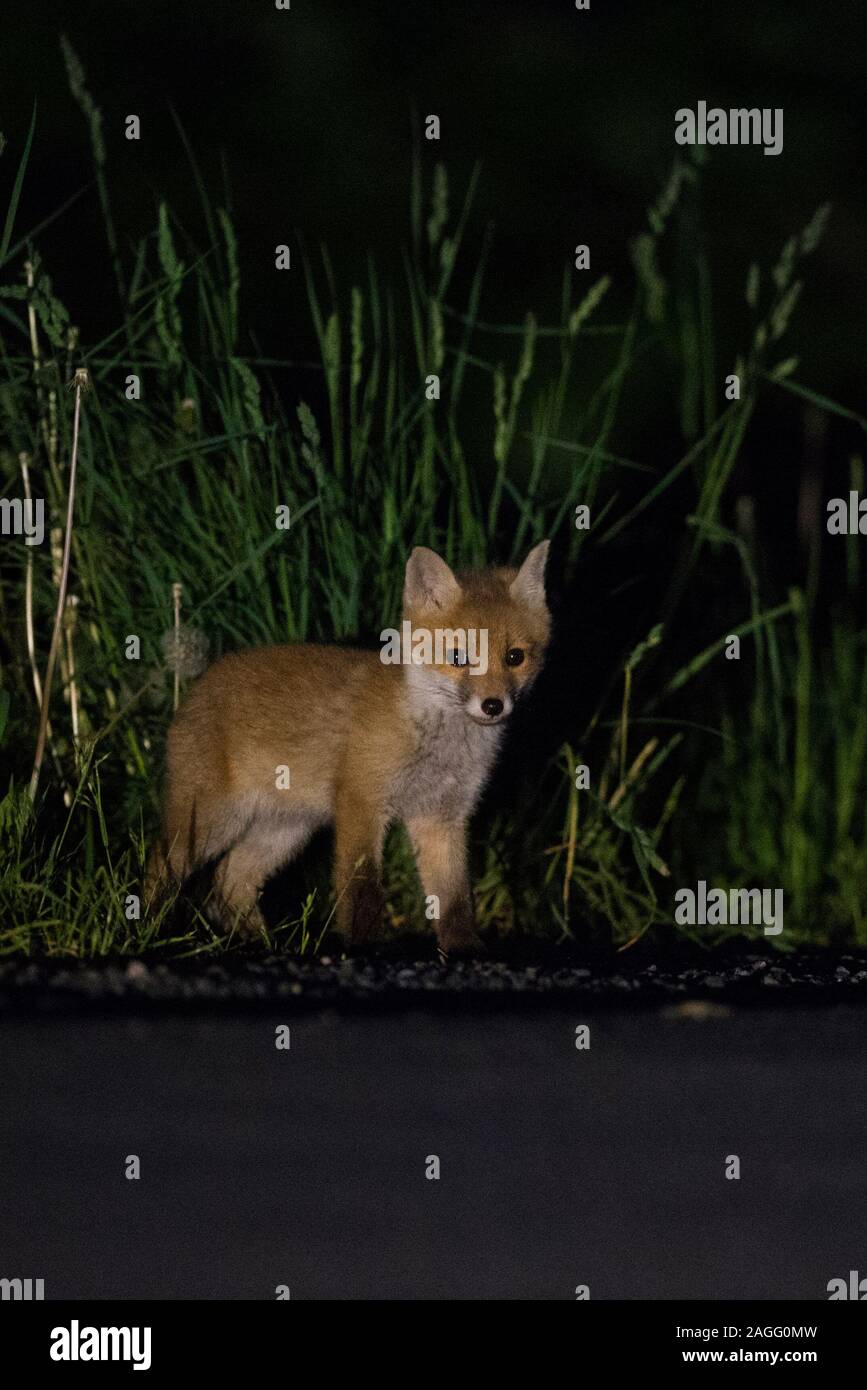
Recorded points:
(31, 316)
(69, 637)
(630, 778)
(80, 385)
(28, 589)
(48, 430)
(36, 354)
(24, 460)
(56, 542)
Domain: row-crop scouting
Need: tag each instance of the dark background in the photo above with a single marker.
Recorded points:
(309, 116)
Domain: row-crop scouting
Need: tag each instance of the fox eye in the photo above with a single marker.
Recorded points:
(456, 657)
(514, 656)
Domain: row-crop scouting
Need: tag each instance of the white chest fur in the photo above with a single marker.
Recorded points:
(451, 763)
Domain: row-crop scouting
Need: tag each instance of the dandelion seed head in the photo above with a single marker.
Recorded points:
(80, 380)
(185, 651)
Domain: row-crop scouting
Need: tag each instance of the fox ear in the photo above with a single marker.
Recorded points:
(429, 582)
(528, 586)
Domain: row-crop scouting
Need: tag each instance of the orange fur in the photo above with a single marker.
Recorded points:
(365, 744)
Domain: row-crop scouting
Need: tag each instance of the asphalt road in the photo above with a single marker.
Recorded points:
(558, 1167)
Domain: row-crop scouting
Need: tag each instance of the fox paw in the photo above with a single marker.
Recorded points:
(249, 926)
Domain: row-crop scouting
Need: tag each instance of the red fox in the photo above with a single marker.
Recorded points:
(272, 743)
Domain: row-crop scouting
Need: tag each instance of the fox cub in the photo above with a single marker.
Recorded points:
(272, 743)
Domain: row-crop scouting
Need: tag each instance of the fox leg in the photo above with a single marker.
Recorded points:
(359, 834)
(441, 855)
(243, 871)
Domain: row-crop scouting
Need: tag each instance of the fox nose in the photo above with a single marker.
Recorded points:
(492, 707)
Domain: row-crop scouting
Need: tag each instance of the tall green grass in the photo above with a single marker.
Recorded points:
(182, 488)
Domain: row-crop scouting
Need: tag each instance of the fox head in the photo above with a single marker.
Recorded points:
(488, 633)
